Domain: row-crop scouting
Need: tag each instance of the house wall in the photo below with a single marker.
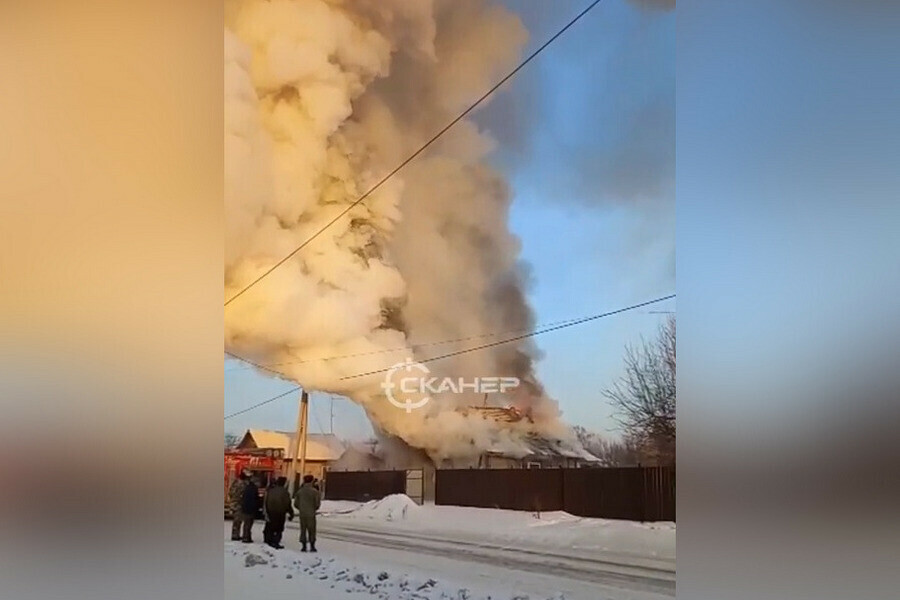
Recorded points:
(316, 468)
(354, 460)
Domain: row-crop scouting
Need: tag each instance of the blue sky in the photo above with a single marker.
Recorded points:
(586, 137)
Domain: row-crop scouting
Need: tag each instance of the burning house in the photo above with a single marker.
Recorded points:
(528, 449)
(516, 445)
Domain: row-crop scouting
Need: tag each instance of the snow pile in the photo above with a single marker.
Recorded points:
(396, 507)
(259, 572)
(338, 507)
(551, 531)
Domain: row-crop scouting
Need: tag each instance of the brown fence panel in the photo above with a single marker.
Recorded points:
(516, 489)
(659, 494)
(364, 485)
(610, 493)
(634, 493)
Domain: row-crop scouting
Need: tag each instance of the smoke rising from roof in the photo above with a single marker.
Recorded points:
(322, 99)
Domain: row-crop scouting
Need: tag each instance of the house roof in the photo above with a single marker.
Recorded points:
(539, 447)
(503, 414)
(319, 446)
(549, 447)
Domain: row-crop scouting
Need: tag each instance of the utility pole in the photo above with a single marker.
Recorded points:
(304, 418)
(299, 451)
(331, 426)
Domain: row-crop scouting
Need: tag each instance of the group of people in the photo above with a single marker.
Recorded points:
(277, 508)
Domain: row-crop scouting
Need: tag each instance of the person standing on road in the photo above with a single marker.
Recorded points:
(277, 506)
(235, 495)
(249, 508)
(307, 501)
(267, 528)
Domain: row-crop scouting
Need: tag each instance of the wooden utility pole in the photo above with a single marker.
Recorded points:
(304, 418)
(298, 455)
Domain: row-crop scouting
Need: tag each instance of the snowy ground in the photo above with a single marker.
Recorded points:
(551, 531)
(395, 550)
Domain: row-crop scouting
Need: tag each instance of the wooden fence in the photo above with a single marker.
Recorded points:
(363, 486)
(633, 493)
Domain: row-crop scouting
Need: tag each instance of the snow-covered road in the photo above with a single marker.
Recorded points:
(394, 550)
(634, 574)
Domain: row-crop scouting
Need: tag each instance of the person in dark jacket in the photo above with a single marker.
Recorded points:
(267, 530)
(307, 501)
(277, 507)
(249, 508)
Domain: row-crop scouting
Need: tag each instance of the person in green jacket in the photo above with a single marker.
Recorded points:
(235, 493)
(307, 501)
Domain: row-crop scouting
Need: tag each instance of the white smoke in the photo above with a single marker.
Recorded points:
(324, 97)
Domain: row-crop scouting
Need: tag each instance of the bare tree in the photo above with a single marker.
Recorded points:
(626, 452)
(645, 396)
(231, 439)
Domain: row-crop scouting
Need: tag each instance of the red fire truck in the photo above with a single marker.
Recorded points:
(263, 463)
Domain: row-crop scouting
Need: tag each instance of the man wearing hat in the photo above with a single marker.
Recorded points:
(307, 500)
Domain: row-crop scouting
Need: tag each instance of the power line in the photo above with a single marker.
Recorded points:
(251, 364)
(384, 351)
(476, 348)
(414, 154)
(521, 337)
(264, 402)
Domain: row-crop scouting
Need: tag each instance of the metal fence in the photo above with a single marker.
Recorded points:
(636, 493)
(633, 493)
(364, 485)
(517, 489)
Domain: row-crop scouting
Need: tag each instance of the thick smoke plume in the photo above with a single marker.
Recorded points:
(323, 97)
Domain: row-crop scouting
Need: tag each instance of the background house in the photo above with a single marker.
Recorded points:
(535, 450)
(531, 450)
(382, 453)
(360, 456)
(322, 449)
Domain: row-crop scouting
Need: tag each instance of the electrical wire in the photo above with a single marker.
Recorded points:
(474, 349)
(519, 337)
(412, 156)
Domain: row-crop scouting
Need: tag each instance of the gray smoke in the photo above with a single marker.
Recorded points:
(322, 99)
